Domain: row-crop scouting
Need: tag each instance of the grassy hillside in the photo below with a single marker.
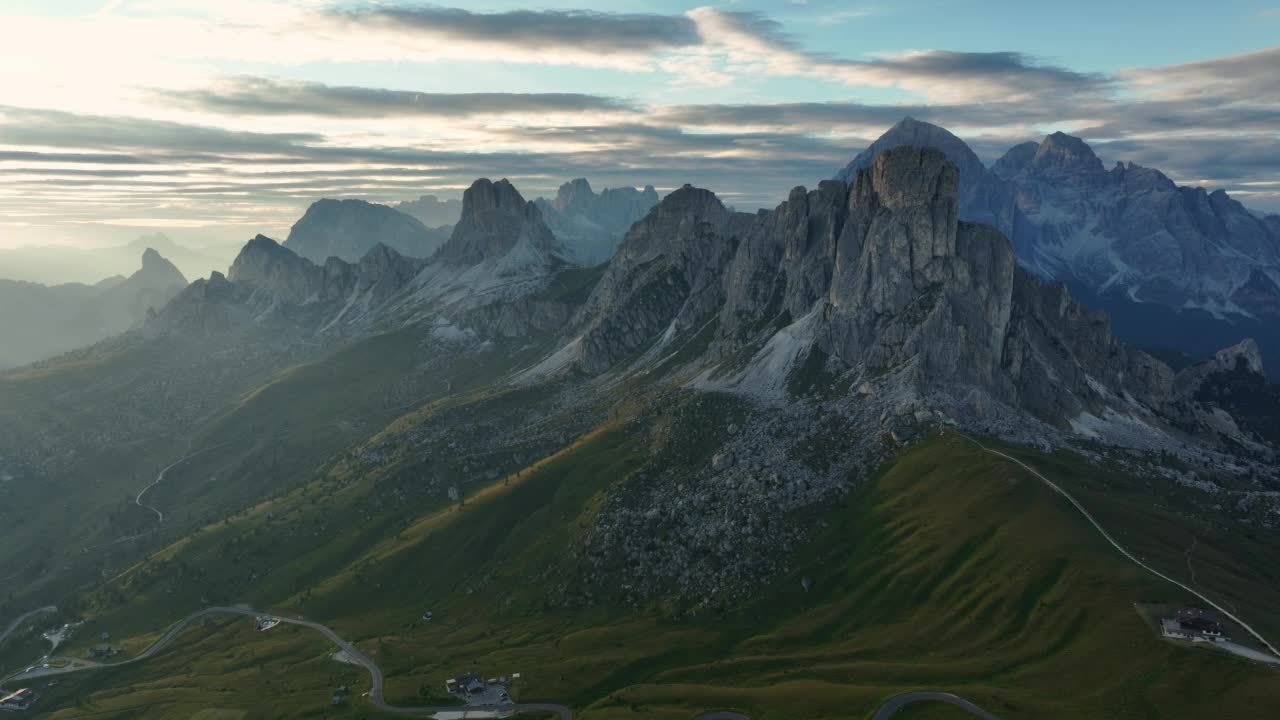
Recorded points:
(952, 570)
(255, 436)
(1176, 531)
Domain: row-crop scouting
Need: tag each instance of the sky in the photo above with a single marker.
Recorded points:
(214, 120)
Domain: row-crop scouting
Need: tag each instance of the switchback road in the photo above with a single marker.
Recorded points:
(23, 618)
(351, 651)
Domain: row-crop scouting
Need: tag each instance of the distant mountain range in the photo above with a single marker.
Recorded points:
(348, 229)
(432, 211)
(499, 249)
(58, 265)
(588, 226)
(1179, 268)
(878, 277)
(592, 225)
(39, 321)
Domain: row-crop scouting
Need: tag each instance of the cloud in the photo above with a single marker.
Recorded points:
(850, 117)
(756, 44)
(201, 174)
(558, 36)
(24, 126)
(264, 96)
(198, 147)
(1246, 77)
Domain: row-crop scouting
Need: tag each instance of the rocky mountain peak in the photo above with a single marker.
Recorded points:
(1063, 153)
(981, 191)
(905, 211)
(911, 177)
(590, 225)
(1015, 159)
(159, 271)
(495, 219)
(268, 266)
(1246, 351)
(485, 196)
(916, 133)
(575, 195)
(348, 228)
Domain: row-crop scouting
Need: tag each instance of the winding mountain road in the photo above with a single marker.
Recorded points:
(160, 478)
(351, 651)
(23, 618)
(1106, 535)
(897, 702)
(355, 656)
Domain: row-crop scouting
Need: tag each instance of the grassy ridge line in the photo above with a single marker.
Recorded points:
(417, 532)
(1107, 536)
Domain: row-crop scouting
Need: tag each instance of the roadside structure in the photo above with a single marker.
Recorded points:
(17, 700)
(1194, 624)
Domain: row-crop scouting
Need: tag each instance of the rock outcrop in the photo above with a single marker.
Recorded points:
(499, 255)
(667, 273)
(983, 197)
(495, 221)
(877, 277)
(276, 272)
(349, 229)
(269, 284)
(1160, 257)
(1244, 356)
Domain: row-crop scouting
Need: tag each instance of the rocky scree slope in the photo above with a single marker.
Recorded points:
(798, 346)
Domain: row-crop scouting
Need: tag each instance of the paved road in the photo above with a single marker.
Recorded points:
(23, 618)
(160, 478)
(1056, 488)
(351, 651)
(897, 702)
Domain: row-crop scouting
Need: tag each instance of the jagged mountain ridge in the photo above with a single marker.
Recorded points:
(878, 277)
(496, 220)
(1129, 240)
(591, 225)
(432, 211)
(498, 252)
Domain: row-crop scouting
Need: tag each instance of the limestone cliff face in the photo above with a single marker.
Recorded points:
(485, 279)
(879, 276)
(1177, 267)
(667, 271)
(269, 283)
(495, 220)
(983, 197)
(275, 272)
